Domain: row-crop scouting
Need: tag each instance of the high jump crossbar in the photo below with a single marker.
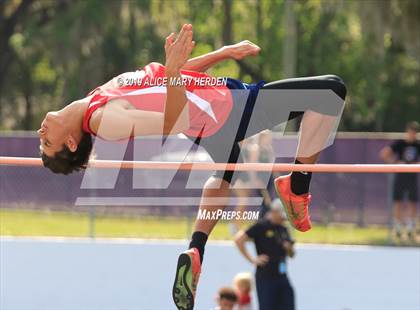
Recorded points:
(207, 166)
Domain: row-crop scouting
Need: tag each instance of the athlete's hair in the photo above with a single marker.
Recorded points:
(227, 293)
(414, 126)
(66, 161)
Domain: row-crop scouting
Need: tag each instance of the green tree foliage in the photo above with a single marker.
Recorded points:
(55, 51)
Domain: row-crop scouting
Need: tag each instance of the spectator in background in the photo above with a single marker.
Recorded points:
(264, 153)
(259, 151)
(243, 286)
(243, 186)
(405, 151)
(273, 244)
(226, 299)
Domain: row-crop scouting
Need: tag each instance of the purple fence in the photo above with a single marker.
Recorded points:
(349, 198)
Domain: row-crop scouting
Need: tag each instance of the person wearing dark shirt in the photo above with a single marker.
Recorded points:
(405, 151)
(273, 244)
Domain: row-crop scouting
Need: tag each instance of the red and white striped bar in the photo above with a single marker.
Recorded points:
(158, 165)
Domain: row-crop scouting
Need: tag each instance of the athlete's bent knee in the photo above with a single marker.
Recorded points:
(338, 86)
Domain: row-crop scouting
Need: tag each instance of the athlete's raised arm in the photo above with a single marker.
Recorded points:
(236, 51)
(118, 121)
(177, 53)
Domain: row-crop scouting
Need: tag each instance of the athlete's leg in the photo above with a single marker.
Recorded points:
(216, 194)
(320, 112)
(319, 118)
(314, 132)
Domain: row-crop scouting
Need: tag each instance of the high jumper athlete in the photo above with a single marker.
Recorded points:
(219, 126)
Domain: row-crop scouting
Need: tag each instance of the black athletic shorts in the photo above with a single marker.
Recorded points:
(246, 120)
(405, 184)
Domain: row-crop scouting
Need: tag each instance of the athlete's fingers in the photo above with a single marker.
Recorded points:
(181, 34)
(187, 48)
(169, 40)
(191, 45)
(189, 51)
(186, 38)
(187, 32)
(184, 44)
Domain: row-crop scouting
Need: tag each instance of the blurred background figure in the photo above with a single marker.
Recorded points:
(242, 284)
(273, 244)
(226, 299)
(257, 149)
(404, 151)
(243, 186)
(264, 153)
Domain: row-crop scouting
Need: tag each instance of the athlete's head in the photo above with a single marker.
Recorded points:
(64, 147)
(226, 298)
(412, 128)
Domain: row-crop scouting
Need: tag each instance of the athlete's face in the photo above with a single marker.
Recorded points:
(53, 134)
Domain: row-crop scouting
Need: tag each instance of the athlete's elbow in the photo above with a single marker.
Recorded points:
(338, 86)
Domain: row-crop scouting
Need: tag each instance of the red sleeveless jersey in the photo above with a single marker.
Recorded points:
(209, 104)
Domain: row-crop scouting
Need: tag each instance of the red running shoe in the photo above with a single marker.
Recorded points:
(296, 206)
(186, 279)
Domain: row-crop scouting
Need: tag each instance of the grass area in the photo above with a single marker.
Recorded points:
(67, 224)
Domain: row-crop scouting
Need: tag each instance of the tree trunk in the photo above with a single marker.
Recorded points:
(7, 28)
(290, 46)
(260, 34)
(227, 22)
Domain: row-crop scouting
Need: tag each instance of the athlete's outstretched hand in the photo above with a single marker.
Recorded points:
(179, 50)
(242, 49)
